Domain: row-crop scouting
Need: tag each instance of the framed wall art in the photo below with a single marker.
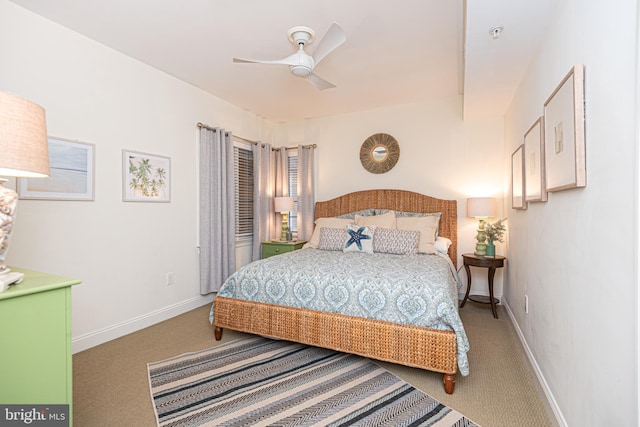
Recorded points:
(534, 168)
(517, 179)
(71, 170)
(564, 134)
(146, 177)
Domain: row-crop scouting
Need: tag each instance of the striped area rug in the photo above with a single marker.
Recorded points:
(259, 381)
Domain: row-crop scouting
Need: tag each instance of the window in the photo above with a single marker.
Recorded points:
(244, 183)
(292, 168)
(243, 162)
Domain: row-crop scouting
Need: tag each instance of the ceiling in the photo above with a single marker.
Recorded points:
(396, 52)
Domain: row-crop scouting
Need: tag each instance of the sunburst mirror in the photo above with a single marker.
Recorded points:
(379, 153)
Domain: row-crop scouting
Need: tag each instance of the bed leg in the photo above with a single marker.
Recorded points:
(218, 332)
(449, 382)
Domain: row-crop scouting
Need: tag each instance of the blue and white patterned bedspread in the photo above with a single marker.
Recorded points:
(417, 290)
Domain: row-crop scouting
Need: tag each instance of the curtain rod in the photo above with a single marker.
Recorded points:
(202, 125)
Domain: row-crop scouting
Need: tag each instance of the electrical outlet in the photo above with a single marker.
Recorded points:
(526, 304)
(170, 279)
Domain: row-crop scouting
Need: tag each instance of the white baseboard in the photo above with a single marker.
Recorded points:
(536, 368)
(118, 330)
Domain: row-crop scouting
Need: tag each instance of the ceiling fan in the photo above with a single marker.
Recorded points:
(301, 63)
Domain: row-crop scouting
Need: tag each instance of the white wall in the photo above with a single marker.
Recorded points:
(120, 251)
(440, 155)
(575, 255)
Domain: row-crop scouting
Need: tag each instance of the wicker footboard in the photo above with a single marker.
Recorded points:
(430, 349)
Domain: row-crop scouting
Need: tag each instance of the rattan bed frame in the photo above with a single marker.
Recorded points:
(420, 347)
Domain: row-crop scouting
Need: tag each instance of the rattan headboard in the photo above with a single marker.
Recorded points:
(399, 200)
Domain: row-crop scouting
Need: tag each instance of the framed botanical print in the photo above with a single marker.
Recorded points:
(564, 134)
(146, 177)
(517, 179)
(534, 168)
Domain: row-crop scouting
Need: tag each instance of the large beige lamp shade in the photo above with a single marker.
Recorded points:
(24, 150)
(24, 153)
(481, 208)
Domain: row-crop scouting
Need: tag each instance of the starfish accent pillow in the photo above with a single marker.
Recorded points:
(359, 239)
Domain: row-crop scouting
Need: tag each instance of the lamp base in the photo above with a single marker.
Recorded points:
(481, 244)
(481, 249)
(8, 203)
(285, 227)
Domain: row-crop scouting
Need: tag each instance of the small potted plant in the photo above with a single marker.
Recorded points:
(495, 233)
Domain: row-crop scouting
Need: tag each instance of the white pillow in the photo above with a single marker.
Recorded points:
(442, 244)
(387, 220)
(329, 223)
(426, 225)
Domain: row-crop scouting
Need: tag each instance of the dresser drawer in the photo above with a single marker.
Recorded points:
(276, 248)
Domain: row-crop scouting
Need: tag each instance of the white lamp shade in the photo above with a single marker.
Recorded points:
(24, 150)
(283, 204)
(481, 207)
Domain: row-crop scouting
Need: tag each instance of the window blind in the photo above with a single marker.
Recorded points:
(243, 161)
(293, 191)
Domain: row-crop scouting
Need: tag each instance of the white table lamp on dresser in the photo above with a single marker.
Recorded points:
(284, 205)
(24, 153)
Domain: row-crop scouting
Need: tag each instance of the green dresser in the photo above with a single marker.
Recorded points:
(35, 332)
(277, 248)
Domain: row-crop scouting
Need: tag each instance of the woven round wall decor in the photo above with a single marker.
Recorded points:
(379, 153)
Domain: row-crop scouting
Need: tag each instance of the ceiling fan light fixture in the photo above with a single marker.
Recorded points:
(301, 64)
(300, 70)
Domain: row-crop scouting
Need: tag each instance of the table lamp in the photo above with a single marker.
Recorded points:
(24, 153)
(481, 208)
(284, 205)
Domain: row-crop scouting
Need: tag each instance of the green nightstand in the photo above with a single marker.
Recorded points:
(277, 248)
(35, 331)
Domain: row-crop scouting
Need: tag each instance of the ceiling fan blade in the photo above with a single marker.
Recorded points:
(289, 60)
(334, 37)
(319, 82)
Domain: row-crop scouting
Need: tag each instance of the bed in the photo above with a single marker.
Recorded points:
(272, 298)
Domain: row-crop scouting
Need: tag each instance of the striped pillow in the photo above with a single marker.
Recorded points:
(399, 242)
(332, 239)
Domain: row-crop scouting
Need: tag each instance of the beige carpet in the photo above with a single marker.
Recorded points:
(110, 385)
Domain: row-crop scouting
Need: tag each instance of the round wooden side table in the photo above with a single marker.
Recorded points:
(490, 262)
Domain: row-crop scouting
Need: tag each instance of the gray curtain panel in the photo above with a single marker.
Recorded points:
(282, 183)
(217, 209)
(264, 171)
(306, 191)
(282, 172)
